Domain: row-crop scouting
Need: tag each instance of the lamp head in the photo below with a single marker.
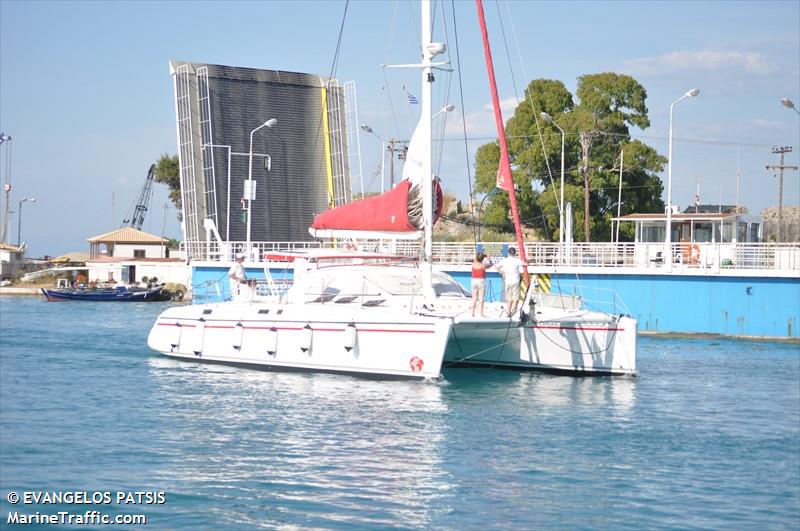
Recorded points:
(546, 117)
(787, 103)
(692, 93)
(366, 128)
(449, 108)
(271, 122)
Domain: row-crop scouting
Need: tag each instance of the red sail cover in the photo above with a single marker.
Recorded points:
(387, 212)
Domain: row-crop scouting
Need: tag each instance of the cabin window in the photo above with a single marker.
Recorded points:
(653, 233)
(702, 232)
(741, 232)
(138, 253)
(727, 233)
(755, 230)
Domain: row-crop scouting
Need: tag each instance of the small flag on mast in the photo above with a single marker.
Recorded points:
(412, 100)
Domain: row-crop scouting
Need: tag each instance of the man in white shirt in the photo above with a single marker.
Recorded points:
(510, 268)
(237, 276)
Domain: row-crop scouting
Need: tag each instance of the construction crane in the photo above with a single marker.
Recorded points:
(137, 220)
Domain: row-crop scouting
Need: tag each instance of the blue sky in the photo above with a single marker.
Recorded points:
(86, 95)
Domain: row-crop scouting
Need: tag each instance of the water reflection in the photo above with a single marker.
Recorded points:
(339, 448)
(543, 390)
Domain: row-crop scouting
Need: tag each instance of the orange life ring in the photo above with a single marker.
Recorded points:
(416, 364)
(691, 253)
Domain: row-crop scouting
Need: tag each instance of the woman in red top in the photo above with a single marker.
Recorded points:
(478, 281)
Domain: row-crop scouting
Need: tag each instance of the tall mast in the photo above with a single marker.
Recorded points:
(504, 176)
(427, 160)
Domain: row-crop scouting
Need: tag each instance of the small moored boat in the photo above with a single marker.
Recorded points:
(117, 294)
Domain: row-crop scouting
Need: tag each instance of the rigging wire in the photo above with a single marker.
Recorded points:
(335, 63)
(529, 97)
(464, 121)
(445, 89)
(386, 61)
(334, 66)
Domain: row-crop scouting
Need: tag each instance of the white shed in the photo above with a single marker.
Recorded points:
(128, 242)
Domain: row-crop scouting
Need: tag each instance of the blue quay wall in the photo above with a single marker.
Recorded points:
(745, 306)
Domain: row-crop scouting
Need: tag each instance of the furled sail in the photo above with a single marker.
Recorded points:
(397, 211)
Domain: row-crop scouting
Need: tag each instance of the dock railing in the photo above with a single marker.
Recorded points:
(702, 258)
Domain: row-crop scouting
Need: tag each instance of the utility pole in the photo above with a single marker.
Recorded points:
(781, 150)
(586, 138)
(395, 146)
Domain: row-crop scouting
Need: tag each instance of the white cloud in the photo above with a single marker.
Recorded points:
(481, 123)
(749, 62)
(768, 124)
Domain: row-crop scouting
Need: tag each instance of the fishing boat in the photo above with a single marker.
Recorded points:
(390, 317)
(116, 294)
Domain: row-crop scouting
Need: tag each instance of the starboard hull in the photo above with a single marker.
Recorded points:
(577, 347)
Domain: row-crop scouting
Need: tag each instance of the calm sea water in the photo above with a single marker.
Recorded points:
(708, 437)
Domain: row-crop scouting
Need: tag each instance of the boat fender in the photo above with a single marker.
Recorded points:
(416, 364)
(272, 341)
(239, 346)
(350, 336)
(306, 338)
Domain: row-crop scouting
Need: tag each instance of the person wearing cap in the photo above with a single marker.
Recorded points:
(237, 275)
(510, 268)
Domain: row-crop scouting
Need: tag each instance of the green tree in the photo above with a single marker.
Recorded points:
(525, 153)
(168, 172)
(596, 128)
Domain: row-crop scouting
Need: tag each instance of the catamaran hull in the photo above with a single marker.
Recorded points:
(571, 347)
(303, 338)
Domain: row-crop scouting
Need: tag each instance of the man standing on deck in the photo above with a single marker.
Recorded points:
(510, 271)
(237, 276)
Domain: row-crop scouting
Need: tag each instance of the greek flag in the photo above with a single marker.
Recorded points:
(412, 100)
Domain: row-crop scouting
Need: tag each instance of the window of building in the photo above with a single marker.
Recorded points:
(741, 232)
(653, 233)
(755, 232)
(703, 232)
(138, 253)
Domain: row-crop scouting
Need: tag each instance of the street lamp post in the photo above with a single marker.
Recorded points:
(789, 104)
(668, 238)
(249, 188)
(447, 108)
(19, 218)
(6, 190)
(549, 118)
(368, 129)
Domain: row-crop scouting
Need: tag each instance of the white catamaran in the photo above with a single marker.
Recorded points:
(383, 316)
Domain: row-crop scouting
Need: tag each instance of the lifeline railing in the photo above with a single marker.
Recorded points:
(681, 257)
